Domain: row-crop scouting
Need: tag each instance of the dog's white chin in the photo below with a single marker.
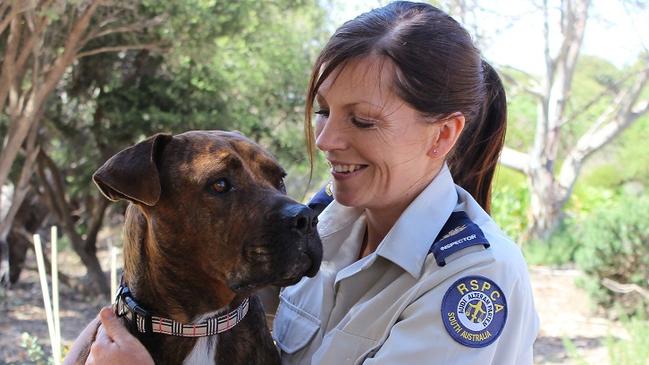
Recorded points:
(203, 353)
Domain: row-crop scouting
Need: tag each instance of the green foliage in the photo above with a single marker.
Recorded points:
(591, 94)
(521, 112)
(620, 168)
(572, 352)
(559, 250)
(588, 198)
(614, 244)
(34, 350)
(510, 201)
(635, 349)
(632, 150)
(227, 65)
(632, 350)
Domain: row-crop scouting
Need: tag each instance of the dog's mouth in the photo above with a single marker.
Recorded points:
(245, 287)
(274, 266)
(299, 260)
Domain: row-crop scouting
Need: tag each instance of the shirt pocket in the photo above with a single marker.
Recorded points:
(293, 327)
(340, 347)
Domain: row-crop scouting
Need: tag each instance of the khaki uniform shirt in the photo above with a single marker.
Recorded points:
(388, 307)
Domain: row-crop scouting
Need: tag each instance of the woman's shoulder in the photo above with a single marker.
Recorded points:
(506, 253)
(479, 249)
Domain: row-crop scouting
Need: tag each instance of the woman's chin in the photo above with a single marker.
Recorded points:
(347, 199)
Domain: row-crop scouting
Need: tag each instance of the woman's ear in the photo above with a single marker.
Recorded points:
(449, 131)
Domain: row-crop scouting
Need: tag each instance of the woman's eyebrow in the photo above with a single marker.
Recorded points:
(322, 100)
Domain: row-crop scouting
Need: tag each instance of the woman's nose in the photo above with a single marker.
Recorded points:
(330, 135)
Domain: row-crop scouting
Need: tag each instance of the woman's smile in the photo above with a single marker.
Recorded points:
(342, 171)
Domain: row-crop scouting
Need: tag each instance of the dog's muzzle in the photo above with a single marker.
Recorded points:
(290, 249)
(302, 222)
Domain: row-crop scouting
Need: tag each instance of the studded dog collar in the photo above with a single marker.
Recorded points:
(126, 306)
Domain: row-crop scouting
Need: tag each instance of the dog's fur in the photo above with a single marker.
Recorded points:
(192, 250)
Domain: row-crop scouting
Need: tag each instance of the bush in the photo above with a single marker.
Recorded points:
(634, 350)
(510, 198)
(35, 352)
(614, 244)
(557, 251)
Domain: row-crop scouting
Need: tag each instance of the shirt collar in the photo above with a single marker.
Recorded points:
(409, 240)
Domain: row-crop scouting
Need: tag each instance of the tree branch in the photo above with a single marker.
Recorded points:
(533, 90)
(513, 159)
(619, 117)
(20, 190)
(12, 14)
(549, 62)
(28, 47)
(128, 28)
(35, 103)
(56, 194)
(609, 89)
(70, 49)
(151, 47)
(96, 222)
(9, 62)
(625, 288)
(642, 109)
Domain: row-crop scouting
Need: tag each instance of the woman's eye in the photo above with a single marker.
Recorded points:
(322, 113)
(362, 124)
(221, 186)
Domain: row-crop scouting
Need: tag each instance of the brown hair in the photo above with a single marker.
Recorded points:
(438, 71)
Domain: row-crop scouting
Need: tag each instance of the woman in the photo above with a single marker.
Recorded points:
(414, 271)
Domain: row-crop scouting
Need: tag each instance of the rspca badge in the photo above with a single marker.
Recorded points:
(474, 311)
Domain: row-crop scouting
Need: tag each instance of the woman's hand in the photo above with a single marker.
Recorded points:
(115, 345)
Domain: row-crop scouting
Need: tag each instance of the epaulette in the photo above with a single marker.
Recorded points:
(322, 199)
(458, 233)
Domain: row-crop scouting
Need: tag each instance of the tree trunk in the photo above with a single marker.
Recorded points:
(545, 204)
(20, 192)
(86, 249)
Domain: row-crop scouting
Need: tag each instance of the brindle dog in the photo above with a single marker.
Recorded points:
(208, 224)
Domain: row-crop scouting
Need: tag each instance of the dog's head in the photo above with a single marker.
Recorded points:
(215, 208)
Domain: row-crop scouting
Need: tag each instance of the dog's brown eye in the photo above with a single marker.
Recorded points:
(221, 186)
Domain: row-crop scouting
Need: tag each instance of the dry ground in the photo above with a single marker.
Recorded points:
(564, 311)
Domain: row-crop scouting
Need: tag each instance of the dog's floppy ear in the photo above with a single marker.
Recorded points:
(132, 173)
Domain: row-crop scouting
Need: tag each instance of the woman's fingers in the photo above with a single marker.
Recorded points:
(115, 345)
(81, 346)
(113, 326)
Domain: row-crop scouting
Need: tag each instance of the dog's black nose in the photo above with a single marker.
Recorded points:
(300, 218)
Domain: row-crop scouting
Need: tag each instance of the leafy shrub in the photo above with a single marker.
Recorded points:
(559, 250)
(614, 245)
(634, 350)
(510, 198)
(35, 352)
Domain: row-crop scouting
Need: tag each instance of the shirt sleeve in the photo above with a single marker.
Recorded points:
(420, 336)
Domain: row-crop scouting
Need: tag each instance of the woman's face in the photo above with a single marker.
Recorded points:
(378, 146)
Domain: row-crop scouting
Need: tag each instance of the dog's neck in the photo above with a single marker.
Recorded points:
(156, 285)
(169, 289)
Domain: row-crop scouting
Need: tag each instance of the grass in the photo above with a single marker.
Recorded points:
(631, 351)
